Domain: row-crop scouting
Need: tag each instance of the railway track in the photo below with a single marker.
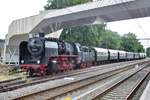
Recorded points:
(55, 92)
(11, 80)
(137, 95)
(76, 75)
(81, 81)
(17, 83)
(97, 90)
(127, 88)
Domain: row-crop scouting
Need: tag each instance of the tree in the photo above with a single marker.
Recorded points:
(93, 35)
(148, 52)
(131, 44)
(140, 48)
(110, 40)
(86, 35)
(58, 4)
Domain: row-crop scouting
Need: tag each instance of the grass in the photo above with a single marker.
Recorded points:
(7, 73)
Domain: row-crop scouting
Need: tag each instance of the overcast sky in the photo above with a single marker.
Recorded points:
(141, 27)
(15, 9)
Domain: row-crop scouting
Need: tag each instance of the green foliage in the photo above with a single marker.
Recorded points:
(97, 35)
(58, 4)
(148, 52)
(110, 40)
(130, 43)
(92, 35)
(86, 35)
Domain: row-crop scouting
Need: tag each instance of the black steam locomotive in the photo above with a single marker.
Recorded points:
(49, 55)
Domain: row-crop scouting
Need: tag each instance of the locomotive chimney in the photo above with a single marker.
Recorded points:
(41, 34)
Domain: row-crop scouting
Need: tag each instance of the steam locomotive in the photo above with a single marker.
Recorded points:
(49, 55)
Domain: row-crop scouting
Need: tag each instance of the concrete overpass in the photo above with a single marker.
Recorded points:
(93, 12)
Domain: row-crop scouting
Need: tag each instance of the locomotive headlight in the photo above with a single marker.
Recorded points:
(54, 61)
(38, 62)
(22, 61)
